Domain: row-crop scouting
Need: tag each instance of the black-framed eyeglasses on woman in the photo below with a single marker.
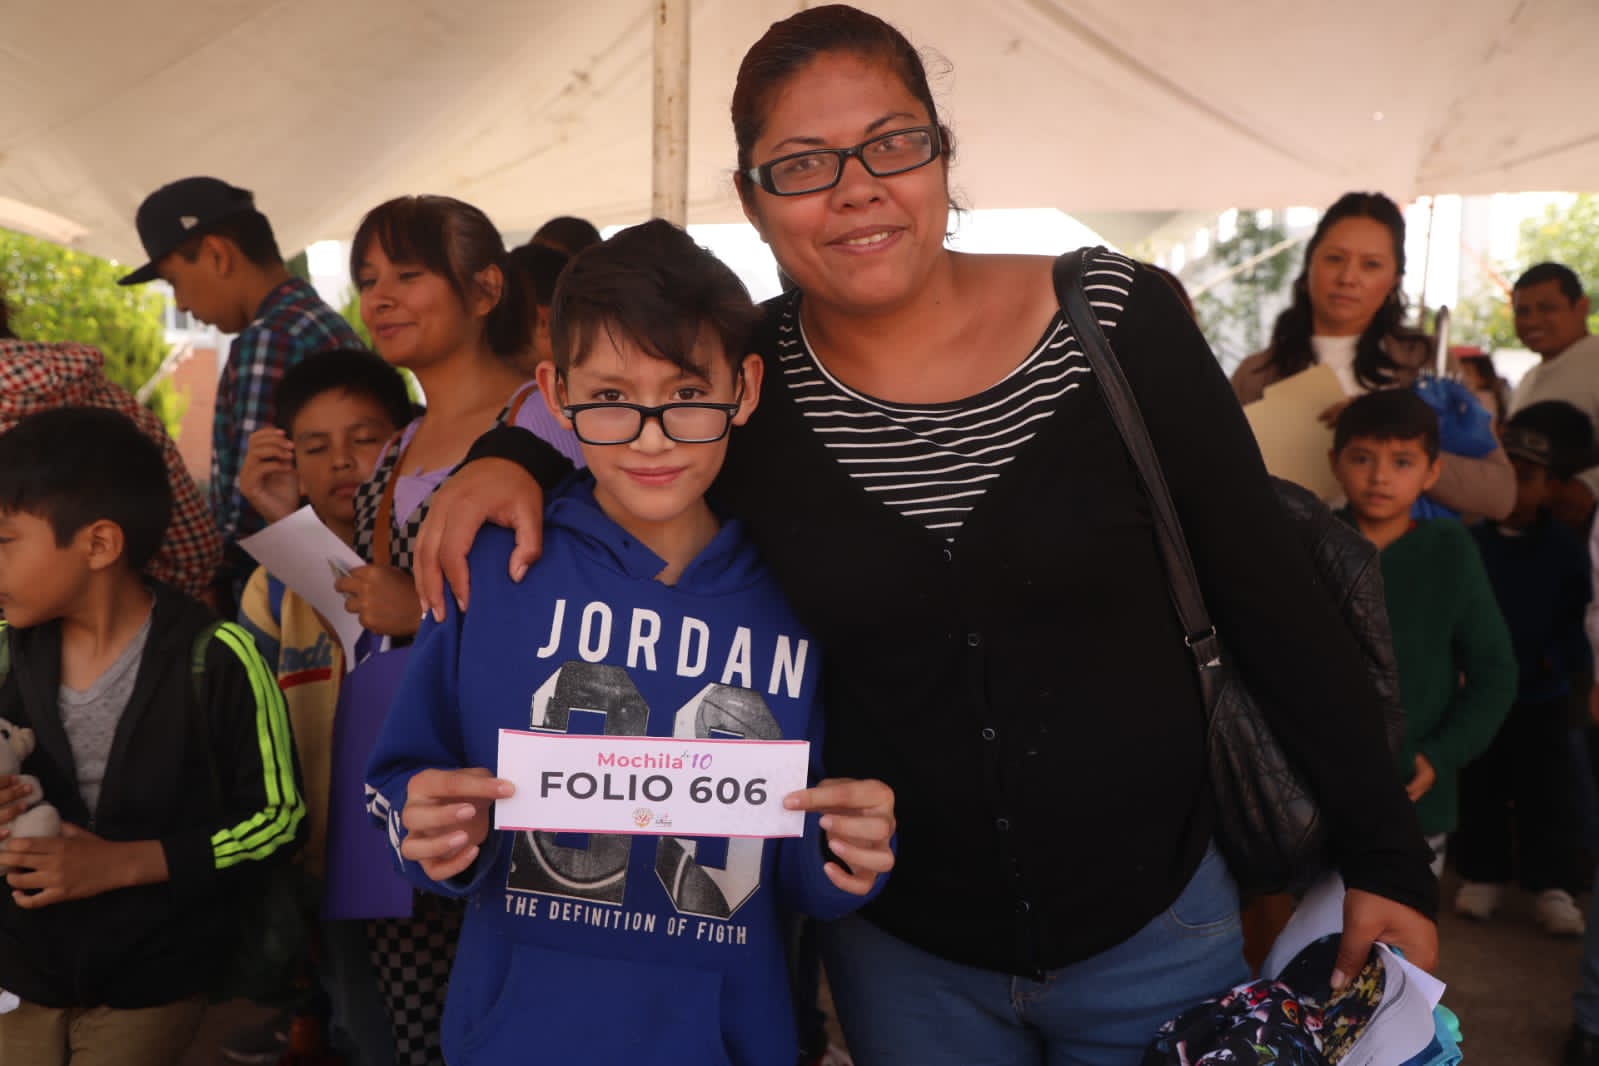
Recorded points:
(889, 153)
(689, 422)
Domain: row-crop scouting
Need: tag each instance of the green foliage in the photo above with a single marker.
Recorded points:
(1231, 313)
(56, 294)
(1564, 233)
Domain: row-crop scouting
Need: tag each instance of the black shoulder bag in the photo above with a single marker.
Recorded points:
(1268, 824)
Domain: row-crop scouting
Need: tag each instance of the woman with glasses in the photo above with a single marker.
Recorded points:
(933, 479)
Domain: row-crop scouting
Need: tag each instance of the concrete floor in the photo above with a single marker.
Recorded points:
(1510, 984)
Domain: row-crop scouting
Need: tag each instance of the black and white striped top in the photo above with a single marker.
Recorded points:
(933, 462)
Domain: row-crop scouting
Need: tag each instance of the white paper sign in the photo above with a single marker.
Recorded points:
(309, 557)
(651, 785)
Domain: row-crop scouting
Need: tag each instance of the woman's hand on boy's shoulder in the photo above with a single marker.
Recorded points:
(857, 821)
(383, 598)
(483, 491)
(447, 818)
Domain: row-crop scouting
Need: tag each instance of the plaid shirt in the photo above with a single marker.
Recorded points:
(38, 377)
(291, 324)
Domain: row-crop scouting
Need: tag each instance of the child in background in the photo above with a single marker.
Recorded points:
(649, 333)
(1516, 812)
(1457, 669)
(335, 412)
(161, 739)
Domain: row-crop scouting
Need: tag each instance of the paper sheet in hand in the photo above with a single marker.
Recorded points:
(309, 557)
(1291, 437)
(1402, 1025)
(651, 785)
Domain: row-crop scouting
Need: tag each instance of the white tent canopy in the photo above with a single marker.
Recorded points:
(531, 108)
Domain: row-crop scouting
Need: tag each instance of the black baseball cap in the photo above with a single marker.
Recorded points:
(186, 208)
(1524, 442)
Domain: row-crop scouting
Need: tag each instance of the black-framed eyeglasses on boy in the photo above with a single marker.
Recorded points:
(889, 153)
(689, 422)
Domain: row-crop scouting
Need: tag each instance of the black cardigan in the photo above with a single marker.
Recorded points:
(1026, 690)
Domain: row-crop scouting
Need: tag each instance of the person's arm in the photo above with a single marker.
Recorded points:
(1485, 486)
(1249, 378)
(1485, 659)
(257, 362)
(1282, 629)
(503, 480)
(420, 780)
(262, 813)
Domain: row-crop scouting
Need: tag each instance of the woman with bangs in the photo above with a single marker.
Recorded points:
(440, 298)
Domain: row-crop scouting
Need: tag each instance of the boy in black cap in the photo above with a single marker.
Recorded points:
(208, 241)
(1516, 813)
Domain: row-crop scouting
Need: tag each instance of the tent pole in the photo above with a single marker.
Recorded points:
(669, 176)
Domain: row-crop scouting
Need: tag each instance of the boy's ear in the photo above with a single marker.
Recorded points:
(1433, 472)
(549, 380)
(752, 369)
(219, 255)
(102, 543)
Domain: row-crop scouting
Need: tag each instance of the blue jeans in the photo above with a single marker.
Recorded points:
(901, 1006)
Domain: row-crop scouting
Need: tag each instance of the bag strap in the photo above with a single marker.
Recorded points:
(1198, 631)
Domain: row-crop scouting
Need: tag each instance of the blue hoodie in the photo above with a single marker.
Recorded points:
(615, 949)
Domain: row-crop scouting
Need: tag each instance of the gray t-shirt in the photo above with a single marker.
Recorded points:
(90, 717)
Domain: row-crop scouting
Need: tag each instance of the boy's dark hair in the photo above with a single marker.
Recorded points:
(1388, 414)
(566, 233)
(540, 266)
(75, 465)
(652, 286)
(1568, 431)
(1570, 284)
(249, 231)
(348, 370)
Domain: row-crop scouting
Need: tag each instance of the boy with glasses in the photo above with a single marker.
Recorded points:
(648, 614)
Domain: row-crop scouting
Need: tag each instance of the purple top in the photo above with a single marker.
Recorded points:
(534, 416)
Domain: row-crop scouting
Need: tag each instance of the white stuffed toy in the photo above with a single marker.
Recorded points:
(41, 819)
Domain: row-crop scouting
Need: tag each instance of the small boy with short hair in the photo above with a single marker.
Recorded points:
(335, 414)
(569, 945)
(1457, 669)
(160, 738)
(1516, 807)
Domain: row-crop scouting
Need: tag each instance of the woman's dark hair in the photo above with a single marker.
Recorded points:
(457, 242)
(566, 233)
(792, 44)
(1290, 336)
(653, 287)
(347, 370)
(539, 266)
(5, 319)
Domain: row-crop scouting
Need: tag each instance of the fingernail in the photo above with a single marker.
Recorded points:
(518, 571)
(460, 604)
(506, 790)
(791, 803)
(826, 821)
(457, 839)
(465, 813)
(1338, 980)
(438, 614)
